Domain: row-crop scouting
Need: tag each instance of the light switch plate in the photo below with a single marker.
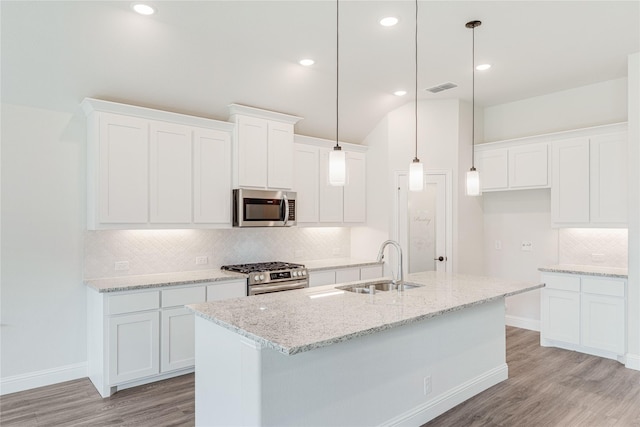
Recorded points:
(527, 245)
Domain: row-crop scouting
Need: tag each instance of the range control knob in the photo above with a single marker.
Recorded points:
(256, 277)
(304, 272)
(294, 274)
(262, 277)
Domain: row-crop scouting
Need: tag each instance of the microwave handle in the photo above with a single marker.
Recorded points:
(286, 209)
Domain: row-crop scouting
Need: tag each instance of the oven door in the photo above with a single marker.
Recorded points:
(278, 287)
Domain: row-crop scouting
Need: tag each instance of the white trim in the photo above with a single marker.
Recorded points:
(440, 404)
(582, 349)
(259, 113)
(42, 378)
(327, 143)
(633, 361)
(522, 323)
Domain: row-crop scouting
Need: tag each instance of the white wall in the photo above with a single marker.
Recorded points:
(43, 205)
(592, 105)
(633, 320)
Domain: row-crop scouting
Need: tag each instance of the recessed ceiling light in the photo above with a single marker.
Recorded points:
(307, 62)
(389, 21)
(483, 67)
(143, 9)
(400, 93)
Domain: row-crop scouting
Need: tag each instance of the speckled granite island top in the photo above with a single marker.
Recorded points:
(302, 320)
(130, 283)
(588, 270)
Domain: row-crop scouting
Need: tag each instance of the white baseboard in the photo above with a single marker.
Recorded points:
(31, 380)
(442, 403)
(522, 322)
(633, 361)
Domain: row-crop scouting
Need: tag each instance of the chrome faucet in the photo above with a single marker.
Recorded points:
(397, 246)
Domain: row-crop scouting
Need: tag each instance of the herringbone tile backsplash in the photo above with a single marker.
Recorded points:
(586, 246)
(163, 251)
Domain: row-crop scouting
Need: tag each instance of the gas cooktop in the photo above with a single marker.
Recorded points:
(261, 267)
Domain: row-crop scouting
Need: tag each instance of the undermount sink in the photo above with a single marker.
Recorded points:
(378, 286)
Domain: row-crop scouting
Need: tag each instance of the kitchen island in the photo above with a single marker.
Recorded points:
(327, 356)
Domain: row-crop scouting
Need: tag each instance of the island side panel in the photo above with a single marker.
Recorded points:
(376, 379)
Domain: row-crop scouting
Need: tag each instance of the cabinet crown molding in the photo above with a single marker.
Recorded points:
(261, 114)
(90, 105)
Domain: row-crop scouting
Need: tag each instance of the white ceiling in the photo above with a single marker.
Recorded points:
(198, 57)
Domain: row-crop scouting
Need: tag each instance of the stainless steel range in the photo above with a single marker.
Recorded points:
(266, 277)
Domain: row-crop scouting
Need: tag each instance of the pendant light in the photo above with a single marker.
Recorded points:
(473, 176)
(416, 171)
(337, 160)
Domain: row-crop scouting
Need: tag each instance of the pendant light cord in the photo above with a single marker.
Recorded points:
(416, 85)
(473, 97)
(337, 147)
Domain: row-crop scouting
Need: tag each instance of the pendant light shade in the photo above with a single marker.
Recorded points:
(337, 160)
(473, 176)
(337, 166)
(416, 170)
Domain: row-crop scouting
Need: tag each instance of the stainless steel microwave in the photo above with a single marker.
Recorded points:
(263, 208)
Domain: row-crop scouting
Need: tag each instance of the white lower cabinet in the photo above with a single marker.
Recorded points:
(584, 313)
(133, 346)
(342, 275)
(136, 337)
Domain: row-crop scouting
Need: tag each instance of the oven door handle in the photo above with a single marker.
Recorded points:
(262, 289)
(286, 209)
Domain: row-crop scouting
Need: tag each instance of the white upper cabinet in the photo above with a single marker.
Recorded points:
(318, 202)
(608, 165)
(513, 165)
(171, 173)
(306, 178)
(355, 188)
(119, 185)
(263, 148)
(570, 189)
(589, 186)
(155, 169)
(211, 176)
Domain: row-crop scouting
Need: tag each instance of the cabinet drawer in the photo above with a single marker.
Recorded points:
(371, 272)
(564, 283)
(600, 286)
(320, 278)
(174, 297)
(347, 275)
(224, 290)
(128, 303)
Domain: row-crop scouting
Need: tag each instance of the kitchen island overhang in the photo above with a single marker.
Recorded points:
(320, 357)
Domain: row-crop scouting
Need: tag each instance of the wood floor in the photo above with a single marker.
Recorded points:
(546, 387)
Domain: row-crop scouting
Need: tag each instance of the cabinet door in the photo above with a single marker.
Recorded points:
(133, 346)
(177, 348)
(331, 202)
(252, 151)
(347, 275)
(280, 156)
(528, 166)
(211, 177)
(560, 316)
(609, 178)
(603, 323)
(355, 204)
(123, 174)
(305, 182)
(492, 166)
(570, 182)
(224, 290)
(171, 173)
(371, 272)
(321, 278)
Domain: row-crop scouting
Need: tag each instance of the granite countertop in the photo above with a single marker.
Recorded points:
(302, 320)
(588, 270)
(333, 263)
(130, 283)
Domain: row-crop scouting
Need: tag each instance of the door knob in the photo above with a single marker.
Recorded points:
(440, 258)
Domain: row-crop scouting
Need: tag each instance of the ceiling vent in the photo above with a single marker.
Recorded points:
(441, 87)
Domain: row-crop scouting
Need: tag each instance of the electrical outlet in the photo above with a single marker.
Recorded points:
(498, 245)
(527, 245)
(201, 260)
(427, 385)
(121, 265)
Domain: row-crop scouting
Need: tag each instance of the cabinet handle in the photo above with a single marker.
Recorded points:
(440, 258)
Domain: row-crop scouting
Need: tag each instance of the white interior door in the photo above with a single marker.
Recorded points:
(423, 227)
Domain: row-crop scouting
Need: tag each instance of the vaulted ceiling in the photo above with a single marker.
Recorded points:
(198, 57)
